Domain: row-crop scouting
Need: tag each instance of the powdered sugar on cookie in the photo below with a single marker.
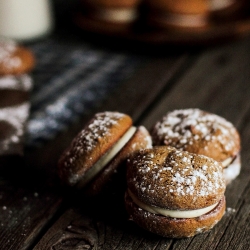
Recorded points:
(175, 175)
(196, 131)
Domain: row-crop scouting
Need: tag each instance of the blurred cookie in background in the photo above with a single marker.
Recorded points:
(14, 59)
(16, 62)
(226, 10)
(116, 14)
(179, 14)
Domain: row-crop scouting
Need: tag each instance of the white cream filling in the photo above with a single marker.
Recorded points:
(186, 20)
(118, 15)
(233, 170)
(220, 4)
(104, 160)
(227, 162)
(172, 213)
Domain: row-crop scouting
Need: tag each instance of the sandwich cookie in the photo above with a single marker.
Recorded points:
(14, 59)
(225, 9)
(98, 151)
(112, 12)
(15, 85)
(182, 13)
(174, 193)
(200, 132)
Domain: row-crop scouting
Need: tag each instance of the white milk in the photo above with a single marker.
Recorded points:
(25, 20)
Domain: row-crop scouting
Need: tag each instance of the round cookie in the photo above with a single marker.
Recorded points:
(99, 149)
(223, 10)
(200, 132)
(182, 13)
(174, 193)
(14, 59)
(113, 12)
(115, 171)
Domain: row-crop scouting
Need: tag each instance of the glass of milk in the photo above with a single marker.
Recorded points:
(25, 20)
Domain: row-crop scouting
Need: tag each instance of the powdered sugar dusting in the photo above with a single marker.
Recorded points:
(98, 128)
(89, 137)
(7, 58)
(181, 128)
(178, 173)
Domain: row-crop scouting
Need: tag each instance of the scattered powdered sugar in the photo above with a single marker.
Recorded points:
(230, 210)
(184, 127)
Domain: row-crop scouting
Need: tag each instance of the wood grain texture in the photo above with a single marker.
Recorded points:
(30, 193)
(216, 81)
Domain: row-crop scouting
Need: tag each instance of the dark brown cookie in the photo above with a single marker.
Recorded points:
(94, 150)
(199, 132)
(166, 182)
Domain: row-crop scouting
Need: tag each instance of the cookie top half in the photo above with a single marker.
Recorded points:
(199, 132)
(98, 136)
(176, 180)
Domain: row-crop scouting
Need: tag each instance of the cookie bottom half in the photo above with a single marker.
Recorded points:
(173, 227)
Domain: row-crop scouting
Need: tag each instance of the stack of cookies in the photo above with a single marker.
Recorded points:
(98, 153)
(15, 84)
(118, 15)
(176, 174)
(177, 188)
(161, 13)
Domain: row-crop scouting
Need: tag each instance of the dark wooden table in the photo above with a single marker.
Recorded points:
(37, 213)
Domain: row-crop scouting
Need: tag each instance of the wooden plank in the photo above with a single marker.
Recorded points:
(132, 97)
(30, 195)
(218, 83)
(25, 202)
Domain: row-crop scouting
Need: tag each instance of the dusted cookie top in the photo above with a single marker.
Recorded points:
(91, 144)
(168, 178)
(199, 132)
(14, 59)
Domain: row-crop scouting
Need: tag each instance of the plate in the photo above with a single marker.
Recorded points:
(217, 29)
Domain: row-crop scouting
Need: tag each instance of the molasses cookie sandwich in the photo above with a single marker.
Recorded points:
(181, 13)
(99, 151)
(200, 132)
(14, 58)
(112, 12)
(225, 9)
(16, 62)
(174, 193)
